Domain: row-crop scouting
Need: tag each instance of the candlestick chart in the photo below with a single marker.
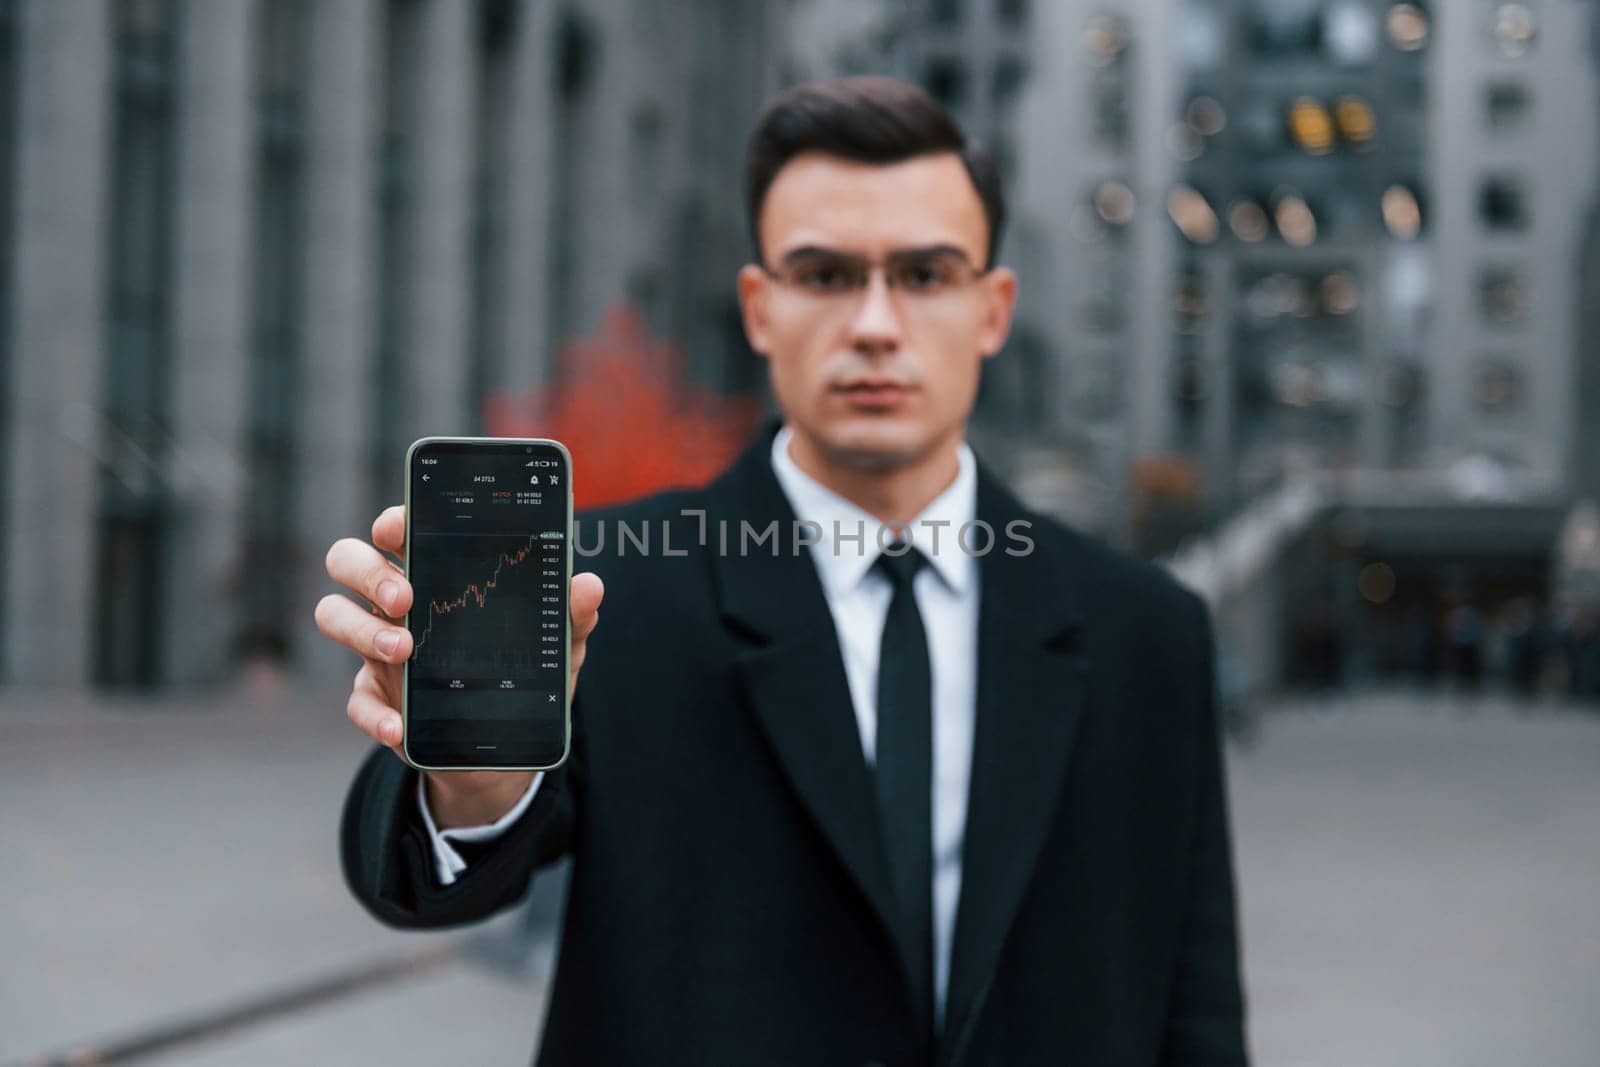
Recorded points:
(477, 604)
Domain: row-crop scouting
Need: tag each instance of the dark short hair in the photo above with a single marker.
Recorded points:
(870, 120)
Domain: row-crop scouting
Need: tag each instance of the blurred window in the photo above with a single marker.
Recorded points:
(498, 22)
(1400, 384)
(1282, 28)
(947, 82)
(274, 352)
(1502, 295)
(141, 217)
(1502, 205)
(1191, 303)
(1009, 75)
(1012, 12)
(1111, 126)
(396, 68)
(1505, 105)
(1498, 388)
(575, 56)
(1513, 28)
(1350, 32)
(644, 155)
(1407, 26)
(8, 198)
(1114, 204)
(1004, 148)
(1402, 212)
(1106, 38)
(1203, 37)
(945, 13)
(137, 386)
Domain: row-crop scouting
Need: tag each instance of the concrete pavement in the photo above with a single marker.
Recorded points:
(168, 861)
(1418, 876)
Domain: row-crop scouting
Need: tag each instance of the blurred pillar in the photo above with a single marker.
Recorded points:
(525, 309)
(1377, 428)
(1218, 416)
(62, 144)
(1155, 97)
(330, 493)
(1585, 448)
(438, 271)
(1504, 291)
(1584, 460)
(596, 237)
(210, 339)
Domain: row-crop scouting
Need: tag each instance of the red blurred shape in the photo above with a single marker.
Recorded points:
(621, 405)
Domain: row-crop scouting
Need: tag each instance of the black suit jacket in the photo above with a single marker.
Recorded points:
(729, 901)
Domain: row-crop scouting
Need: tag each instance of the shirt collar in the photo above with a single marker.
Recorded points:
(844, 561)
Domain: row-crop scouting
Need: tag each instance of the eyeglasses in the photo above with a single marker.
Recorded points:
(920, 273)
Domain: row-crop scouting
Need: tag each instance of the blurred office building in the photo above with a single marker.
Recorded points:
(249, 249)
(252, 248)
(1302, 298)
(1337, 235)
(1328, 250)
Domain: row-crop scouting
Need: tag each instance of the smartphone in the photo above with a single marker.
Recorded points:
(489, 558)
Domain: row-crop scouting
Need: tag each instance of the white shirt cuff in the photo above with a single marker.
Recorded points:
(446, 860)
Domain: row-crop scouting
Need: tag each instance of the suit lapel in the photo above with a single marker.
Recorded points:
(1030, 690)
(792, 671)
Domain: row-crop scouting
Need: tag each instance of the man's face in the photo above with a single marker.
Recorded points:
(884, 376)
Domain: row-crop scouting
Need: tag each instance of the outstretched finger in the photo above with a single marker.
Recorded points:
(583, 603)
(384, 679)
(375, 718)
(369, 636)
(389, 530)
(362, 569)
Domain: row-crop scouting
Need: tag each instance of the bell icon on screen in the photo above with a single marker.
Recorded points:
(534, 480)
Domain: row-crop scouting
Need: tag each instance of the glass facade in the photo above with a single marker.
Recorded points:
(496, 36)
(574, 59)
(387, 449)
(275, 349)
(134, 503)
(1290, 242)
(9, 84)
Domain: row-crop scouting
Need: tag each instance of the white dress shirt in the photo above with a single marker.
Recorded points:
(858, 597)
(447, 862)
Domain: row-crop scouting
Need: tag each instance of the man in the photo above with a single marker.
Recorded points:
(861, 790)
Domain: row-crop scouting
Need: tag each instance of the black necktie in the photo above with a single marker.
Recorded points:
(904, 772)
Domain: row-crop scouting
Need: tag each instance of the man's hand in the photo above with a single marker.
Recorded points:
(456, 798)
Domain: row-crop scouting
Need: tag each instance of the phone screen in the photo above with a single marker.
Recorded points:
(488, 557)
